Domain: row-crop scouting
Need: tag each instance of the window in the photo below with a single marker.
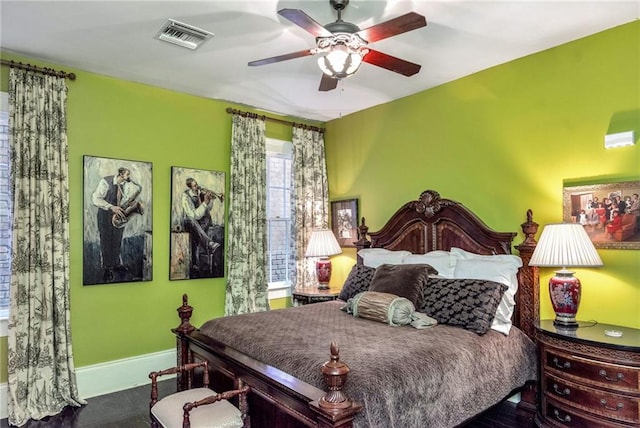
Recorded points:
(5, 213)
(280, 243)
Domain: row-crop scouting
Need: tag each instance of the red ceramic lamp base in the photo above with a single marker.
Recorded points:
(323, 272)
(565, 290)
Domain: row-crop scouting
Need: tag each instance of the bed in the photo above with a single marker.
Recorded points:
(319, 366)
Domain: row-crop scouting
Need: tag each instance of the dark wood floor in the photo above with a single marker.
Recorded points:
(130, 409)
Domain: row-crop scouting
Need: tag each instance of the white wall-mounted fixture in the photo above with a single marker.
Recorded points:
(182, 34)
(620, 139)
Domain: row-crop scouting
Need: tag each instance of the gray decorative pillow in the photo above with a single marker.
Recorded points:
(381, 307)
(466, 303)
(387, 308)
(357, 281)
(406, 281)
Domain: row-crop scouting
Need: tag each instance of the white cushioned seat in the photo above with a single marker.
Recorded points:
(222, 414)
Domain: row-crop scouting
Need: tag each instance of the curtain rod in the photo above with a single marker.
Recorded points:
(273, 119)
(29, 67)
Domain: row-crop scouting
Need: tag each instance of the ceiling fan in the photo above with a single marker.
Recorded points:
(342, 46)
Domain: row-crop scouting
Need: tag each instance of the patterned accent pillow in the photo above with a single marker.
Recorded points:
(466, 303)
(357, 281)
(406, 281)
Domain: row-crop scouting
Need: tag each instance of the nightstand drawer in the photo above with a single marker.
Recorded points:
(588, 379)
(561, 416)
(601, 403)
(612, 376)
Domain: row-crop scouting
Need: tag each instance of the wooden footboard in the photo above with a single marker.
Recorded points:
(277, 399)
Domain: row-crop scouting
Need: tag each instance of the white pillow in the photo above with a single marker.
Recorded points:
(440, 260)
(374, 257)
(501, 268)
(512, 264)
(462, 254)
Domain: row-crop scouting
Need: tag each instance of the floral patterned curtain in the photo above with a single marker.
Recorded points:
(247, 249)
(311, 197)
(41, 373)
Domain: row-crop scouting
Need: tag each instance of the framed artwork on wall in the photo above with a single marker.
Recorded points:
(197, 224)
(344, 221)
(609, 212)
(117, 220)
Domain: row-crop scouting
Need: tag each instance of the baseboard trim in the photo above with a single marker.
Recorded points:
(112, 376)
(4, 413)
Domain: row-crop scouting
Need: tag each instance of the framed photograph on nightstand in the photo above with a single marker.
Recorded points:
(344, 221)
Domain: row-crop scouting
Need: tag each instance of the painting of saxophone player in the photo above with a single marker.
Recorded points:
(197, 224)
(117, 221)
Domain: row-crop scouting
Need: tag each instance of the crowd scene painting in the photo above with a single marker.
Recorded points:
(609, 213)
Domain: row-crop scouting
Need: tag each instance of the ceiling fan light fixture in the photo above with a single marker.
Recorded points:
(342, 46)
(340, 61)
(341, 54)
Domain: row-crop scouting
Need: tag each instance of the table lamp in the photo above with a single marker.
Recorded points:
(565, 245)
(323, 244)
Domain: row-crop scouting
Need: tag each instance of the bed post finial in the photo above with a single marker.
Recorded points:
(184, 312)
(363, 242)
(527, 311)
(335, 376)
(182, 347)
(530, 228)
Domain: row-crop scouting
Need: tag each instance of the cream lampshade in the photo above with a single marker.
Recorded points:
(323, 244)
(565, 245)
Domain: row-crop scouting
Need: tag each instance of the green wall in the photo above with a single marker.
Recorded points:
(118, 119)
(502, 141)
(505, 140)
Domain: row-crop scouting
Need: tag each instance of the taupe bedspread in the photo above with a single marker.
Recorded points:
(437, 377)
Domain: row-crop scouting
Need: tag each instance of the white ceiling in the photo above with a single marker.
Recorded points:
(115, 38)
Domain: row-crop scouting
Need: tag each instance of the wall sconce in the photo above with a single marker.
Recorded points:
(323, 244)
(621, 139)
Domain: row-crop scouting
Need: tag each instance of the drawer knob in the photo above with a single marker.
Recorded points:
(556, 414)
(603, 403)
(566, 365)
(565, 391)
(618, 378)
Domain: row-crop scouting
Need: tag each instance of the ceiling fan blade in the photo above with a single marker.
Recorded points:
(392, 27)
(304, 21)
(284, 57)
(391, 63)
(327, 83)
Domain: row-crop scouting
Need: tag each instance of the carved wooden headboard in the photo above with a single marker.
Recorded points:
(432, 223)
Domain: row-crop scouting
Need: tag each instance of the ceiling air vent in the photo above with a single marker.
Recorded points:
(182, 34)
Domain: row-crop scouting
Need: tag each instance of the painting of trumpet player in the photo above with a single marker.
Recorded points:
(197, 224)
(117, 221)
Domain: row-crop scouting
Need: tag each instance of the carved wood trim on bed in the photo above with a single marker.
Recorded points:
(433, 223)
(278, 399)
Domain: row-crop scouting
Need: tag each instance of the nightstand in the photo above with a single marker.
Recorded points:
(588, 379)
(308, 295)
